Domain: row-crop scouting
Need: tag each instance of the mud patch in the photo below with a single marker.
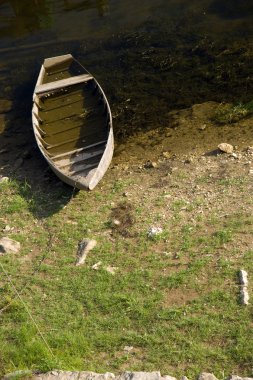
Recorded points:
(122, 219)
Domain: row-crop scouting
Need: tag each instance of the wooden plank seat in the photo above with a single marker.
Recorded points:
(59, 84)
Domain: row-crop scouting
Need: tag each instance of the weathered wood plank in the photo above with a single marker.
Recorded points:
(77, 151)
(54, 61)
(51, 86)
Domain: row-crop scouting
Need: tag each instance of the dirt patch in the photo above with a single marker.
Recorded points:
(177, 297)
(122, 219)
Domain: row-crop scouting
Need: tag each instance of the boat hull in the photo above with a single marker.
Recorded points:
(72, 122)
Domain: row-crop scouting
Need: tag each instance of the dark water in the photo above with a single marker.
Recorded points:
(150, 56)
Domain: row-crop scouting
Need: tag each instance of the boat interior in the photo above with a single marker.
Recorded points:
(73, 120)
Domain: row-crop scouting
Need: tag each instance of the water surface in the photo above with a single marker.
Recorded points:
(150, 56)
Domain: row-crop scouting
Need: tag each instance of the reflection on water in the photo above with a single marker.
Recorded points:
(101, 5)
(151, 56)
(21, 17)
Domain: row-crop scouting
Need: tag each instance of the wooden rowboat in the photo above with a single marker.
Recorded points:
(72, 122)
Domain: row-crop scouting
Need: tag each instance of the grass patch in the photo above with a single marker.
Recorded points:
(174, 298)
(228, 114)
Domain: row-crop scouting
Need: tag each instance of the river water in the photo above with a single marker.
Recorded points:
(150, 56)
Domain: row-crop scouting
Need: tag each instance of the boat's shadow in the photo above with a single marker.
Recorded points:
(22, 162)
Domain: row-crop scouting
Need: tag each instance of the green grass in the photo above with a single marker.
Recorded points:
(179, 311)
(227, 114)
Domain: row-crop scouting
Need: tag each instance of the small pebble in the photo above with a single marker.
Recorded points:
(128, 348)
(154, 231)
(116, 222)
(97, 265)
(226, 148)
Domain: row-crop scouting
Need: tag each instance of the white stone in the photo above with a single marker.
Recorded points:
(116, 222)
(128, 348)
(235, 377)
(154, 231)
(8, 245)
(243, 277)
(207, 376)
(168, 377)
(140, 376)
(95, 376)
(84, 247)
(226, 148)
(97, 265)
(244, 295)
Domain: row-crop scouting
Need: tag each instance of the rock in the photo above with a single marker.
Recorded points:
(95, 376)
(85, 375)
(244, 295)
(154, 231)
(140, 376)
(111, 270)
(128, 348)
(7, 228)
(235, 377)
(5, 105)
(58, 375)
(243, 277)
(207, 376)
(4, 179)
(168, 377)
(84, 247)
(68, 375)
(226, 148)
(8, 245)
(97, 265)
(116, 222)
